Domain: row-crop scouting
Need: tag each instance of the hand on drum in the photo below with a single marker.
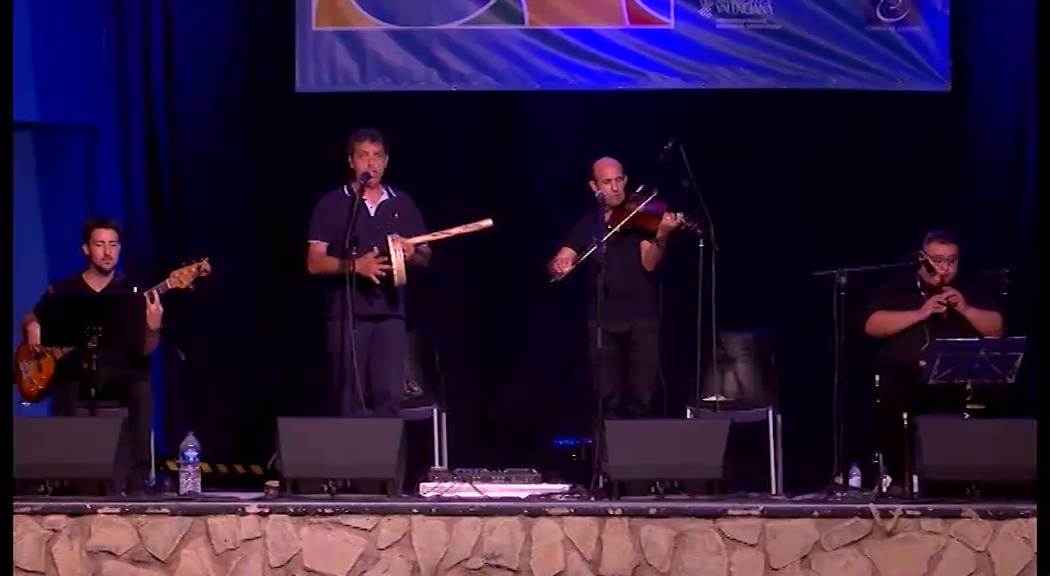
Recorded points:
(406, 248)
(372, 266)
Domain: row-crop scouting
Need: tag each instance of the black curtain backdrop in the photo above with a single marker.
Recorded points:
(226, 161)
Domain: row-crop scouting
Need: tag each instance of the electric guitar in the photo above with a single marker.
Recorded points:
(34, 370)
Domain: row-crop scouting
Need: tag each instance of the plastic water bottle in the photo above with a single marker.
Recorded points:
(190, 465)
(854, 479)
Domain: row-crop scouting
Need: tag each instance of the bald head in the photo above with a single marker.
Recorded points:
(608, 181)
(606, 164)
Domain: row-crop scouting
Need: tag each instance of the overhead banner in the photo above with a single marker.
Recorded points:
(370, 45)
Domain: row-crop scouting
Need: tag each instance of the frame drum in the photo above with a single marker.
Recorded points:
(397, 253)
(397, 261)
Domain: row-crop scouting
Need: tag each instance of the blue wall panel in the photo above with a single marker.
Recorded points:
(58, 63)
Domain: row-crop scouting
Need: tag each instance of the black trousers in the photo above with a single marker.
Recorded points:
(625, 369)
(132, 390)
(382, 346)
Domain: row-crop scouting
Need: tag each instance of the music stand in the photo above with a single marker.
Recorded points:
(970, 361)
(990, 363)
(89, 322)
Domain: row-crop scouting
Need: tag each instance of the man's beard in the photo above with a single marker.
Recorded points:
(104, 268)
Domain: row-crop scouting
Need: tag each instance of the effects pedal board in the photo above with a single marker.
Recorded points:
(485, 476)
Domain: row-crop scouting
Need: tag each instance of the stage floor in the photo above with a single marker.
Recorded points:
(248, 534)
(711, 507)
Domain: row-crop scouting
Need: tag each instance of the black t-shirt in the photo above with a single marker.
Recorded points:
(110, 358)
(908, 291)
(630, 291)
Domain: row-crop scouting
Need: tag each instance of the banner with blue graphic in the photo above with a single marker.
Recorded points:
(372, 45)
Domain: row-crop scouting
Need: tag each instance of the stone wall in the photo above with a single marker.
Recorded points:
(276, 545)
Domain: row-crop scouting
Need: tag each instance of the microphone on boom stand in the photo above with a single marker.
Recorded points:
(665, 151)
(350, 248)
(924, 261)
(708, 239)
(927, 266)
(935, 276)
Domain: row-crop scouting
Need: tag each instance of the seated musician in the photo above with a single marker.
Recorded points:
(907, 313)
(122, 375)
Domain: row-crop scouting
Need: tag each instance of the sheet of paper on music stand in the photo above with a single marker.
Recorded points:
(974, 360)
(65, 319)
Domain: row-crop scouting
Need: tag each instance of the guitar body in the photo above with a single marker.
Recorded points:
(33, 372)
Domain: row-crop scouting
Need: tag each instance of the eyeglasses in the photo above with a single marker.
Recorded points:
(943, 260)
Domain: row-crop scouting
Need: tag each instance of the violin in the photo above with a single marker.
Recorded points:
(647, 219)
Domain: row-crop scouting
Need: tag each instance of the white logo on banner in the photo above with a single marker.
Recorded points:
(740, 13)
(895, 15)
(892, 11)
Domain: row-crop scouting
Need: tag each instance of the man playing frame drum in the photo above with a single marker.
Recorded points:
(351, 232)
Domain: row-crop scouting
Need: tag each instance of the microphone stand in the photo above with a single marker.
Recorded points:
(838, 315)
(350, 249)
(93, 333)
(599, 297)
(599, 246)
(697, 375)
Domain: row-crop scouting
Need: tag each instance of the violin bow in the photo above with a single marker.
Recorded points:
(608, 234)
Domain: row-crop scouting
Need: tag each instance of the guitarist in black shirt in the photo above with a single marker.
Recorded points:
(122, 375)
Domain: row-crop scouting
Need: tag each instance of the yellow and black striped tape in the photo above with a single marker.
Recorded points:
(252, 469)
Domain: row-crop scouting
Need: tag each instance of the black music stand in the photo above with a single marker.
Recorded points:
(89, 322)
(969, 361)
(982, 369)
(973, 365)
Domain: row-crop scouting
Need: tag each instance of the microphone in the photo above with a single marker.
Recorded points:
(926, 265)
(665, 151)
(361, 179)
(938, 287)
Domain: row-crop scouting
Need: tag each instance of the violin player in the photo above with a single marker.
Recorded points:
(626, 367)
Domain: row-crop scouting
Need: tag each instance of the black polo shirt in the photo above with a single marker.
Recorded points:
(630, 291)
(908, 291)
(396, 214)
(110, 359)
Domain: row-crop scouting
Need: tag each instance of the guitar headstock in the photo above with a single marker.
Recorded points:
(185, 277)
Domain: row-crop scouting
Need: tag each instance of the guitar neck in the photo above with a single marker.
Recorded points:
(159, 289)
